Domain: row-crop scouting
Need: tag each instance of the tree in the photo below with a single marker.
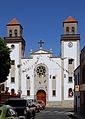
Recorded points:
(4, 60)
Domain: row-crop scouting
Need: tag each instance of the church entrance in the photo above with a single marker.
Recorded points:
(41, 95)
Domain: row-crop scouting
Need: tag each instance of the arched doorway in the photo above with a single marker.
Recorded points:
(41, 95)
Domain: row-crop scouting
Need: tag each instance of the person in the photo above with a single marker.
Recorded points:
(13, 92)
(6, 92)
(19, 94)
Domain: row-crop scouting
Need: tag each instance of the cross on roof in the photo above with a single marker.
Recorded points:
(40, 43)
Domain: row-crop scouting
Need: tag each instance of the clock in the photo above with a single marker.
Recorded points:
(70, 44)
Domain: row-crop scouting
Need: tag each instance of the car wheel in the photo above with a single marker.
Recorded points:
(28, 117)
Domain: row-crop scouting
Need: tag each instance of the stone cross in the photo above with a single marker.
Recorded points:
(40, 43)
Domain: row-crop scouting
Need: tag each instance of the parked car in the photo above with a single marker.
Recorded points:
(7, 112)
(42, 104)
(22, 107)
(36, 105)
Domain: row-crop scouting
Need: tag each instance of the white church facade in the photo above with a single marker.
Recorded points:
(43, 76)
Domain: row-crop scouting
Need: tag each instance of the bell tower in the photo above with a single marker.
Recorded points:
(16, 43)
(70, 50)
(70, 40)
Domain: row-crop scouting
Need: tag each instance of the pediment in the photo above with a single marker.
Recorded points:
(41, 51)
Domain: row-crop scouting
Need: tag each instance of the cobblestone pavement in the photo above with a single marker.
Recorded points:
(53, 113)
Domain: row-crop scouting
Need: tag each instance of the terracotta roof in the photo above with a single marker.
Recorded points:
(13, 22)
(70, 19)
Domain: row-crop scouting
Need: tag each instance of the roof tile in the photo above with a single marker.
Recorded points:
(70, 19)
(13, 22)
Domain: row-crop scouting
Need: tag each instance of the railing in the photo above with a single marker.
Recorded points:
(13, 38)
(70, 35)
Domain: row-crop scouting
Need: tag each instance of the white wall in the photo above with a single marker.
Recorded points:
(14, 56)
(53, 69)
(69, 53)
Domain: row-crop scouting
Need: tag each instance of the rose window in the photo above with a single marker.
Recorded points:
(41, 71)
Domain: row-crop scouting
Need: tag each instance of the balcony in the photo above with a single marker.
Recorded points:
(14, 39)
(70, 36)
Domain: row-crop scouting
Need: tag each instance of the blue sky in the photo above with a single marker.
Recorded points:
(42, 20)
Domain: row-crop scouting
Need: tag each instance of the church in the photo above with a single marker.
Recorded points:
(43, 76)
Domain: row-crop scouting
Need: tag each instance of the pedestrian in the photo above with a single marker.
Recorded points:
(6, 92)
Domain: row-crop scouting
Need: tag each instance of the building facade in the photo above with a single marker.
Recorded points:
(82, 81)
(43, 76)
(77, 90)
(79, 95)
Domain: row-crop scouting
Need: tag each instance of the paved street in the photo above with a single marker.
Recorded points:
(54, 113)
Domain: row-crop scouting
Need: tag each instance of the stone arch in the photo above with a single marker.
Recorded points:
(15, 32)
(10, 33)
(41, 83)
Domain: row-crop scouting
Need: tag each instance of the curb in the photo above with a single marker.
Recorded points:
(57, 107)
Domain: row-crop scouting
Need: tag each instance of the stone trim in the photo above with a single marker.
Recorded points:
(55, 57)
(73, 39)
(19, 74)
(62, 104)
(78, 50)
(27, 58)
(62, 56)
(39, 53)
(42, 50)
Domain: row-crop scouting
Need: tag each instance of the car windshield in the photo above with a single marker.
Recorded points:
(0, 112)
(16, 103)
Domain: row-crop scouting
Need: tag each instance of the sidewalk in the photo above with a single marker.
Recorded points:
(58, 107)
(75, 115)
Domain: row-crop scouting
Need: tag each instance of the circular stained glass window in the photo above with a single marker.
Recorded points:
(41, 71)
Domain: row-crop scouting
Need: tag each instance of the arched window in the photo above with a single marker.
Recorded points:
(73, 30)
(10, 33)
(67, 30)
(70, 92)
(15, 32)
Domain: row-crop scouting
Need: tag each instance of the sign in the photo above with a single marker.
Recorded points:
(76, 88)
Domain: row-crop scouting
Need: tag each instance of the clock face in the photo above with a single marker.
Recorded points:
(12, 46)
(70, 44)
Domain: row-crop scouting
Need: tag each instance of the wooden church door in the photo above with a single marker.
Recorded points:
(41, 95)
